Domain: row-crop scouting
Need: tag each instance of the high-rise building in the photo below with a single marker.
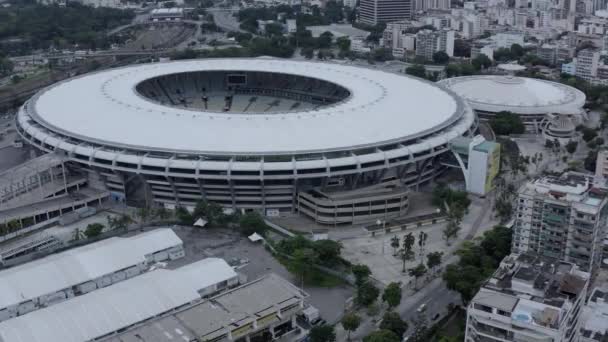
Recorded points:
(428, 42)
(372, 12)
(562, 217)
(587, 62)
(529, 298)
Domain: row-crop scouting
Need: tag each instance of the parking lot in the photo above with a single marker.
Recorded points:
(256, 262)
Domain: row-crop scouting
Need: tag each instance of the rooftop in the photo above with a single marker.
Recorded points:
(533, 289)
(73, 267)
(594, 318)
(383, 108)
(525, 95)
(116, 307)
(231, 311)
(572, 187)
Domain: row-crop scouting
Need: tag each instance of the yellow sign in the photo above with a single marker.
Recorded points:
(493, 168)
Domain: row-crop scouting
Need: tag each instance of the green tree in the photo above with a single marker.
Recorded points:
(417, 272)
(517, 50)
(343, 43)
(422, 237)
(393, 322)
(322, 333)
(406, 253)
(324, 40)
(367, 294)
(417, 70)
(481, 62)
(382, 335)
(144, 214)
(328, 252)
(395, 244)
(505, 123)
(589, 134)
(350, 322)
(93, 230)
(571, 146)
(392, 295)
(302, 263)
(361, 273)
(251, 223)
(441, 57)
(433, 259)
(183, 216)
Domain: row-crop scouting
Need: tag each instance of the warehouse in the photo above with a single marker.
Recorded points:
(120, 306)
(53, 279)
(264, 309)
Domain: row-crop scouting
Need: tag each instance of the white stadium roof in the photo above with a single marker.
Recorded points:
(517, 94)
(64, 270)
(105, 108)
(115, 307)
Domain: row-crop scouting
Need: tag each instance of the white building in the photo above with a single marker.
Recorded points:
(587, 62)
(114, 308)
(529, 298)
(428, 42)
(292, 26)
(562, 217)
(56, 278)
(480, 161)
(569, 68)
(506, 39)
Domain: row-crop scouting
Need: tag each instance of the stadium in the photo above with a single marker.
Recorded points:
(337, 142)
(543, 106)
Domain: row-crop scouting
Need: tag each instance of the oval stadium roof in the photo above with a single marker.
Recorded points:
(105, 108)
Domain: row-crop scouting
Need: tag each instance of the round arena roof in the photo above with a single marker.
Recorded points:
(517, 94)
(105, 108)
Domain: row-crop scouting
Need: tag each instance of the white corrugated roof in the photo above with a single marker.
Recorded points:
(104, 107)
(110, 309)
(76, 266)
(516, 94)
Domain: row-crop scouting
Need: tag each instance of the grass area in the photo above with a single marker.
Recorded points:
(316, 278)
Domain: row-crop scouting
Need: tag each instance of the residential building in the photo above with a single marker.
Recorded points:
(506, 39)
(601, 164)
(562, 217)
(593, 322)
(529, 298)
(569, 68)
(593, 25)
(372, 12)
(479, 48)
(428, 42)
(587, 61)
(548, 53)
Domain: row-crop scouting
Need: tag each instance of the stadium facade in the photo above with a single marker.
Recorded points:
(251, 134)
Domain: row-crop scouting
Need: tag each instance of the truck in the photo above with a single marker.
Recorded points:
(311, 315)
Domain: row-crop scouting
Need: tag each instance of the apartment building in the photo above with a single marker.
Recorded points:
(530, 298)
(372, 12)
(562, 217)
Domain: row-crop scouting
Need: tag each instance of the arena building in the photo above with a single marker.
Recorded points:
(537, 102)
(250, 133)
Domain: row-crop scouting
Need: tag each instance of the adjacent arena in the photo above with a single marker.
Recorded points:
(537, 102)
(252, 134)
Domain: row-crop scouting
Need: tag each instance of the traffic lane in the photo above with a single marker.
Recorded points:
(437, 300)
